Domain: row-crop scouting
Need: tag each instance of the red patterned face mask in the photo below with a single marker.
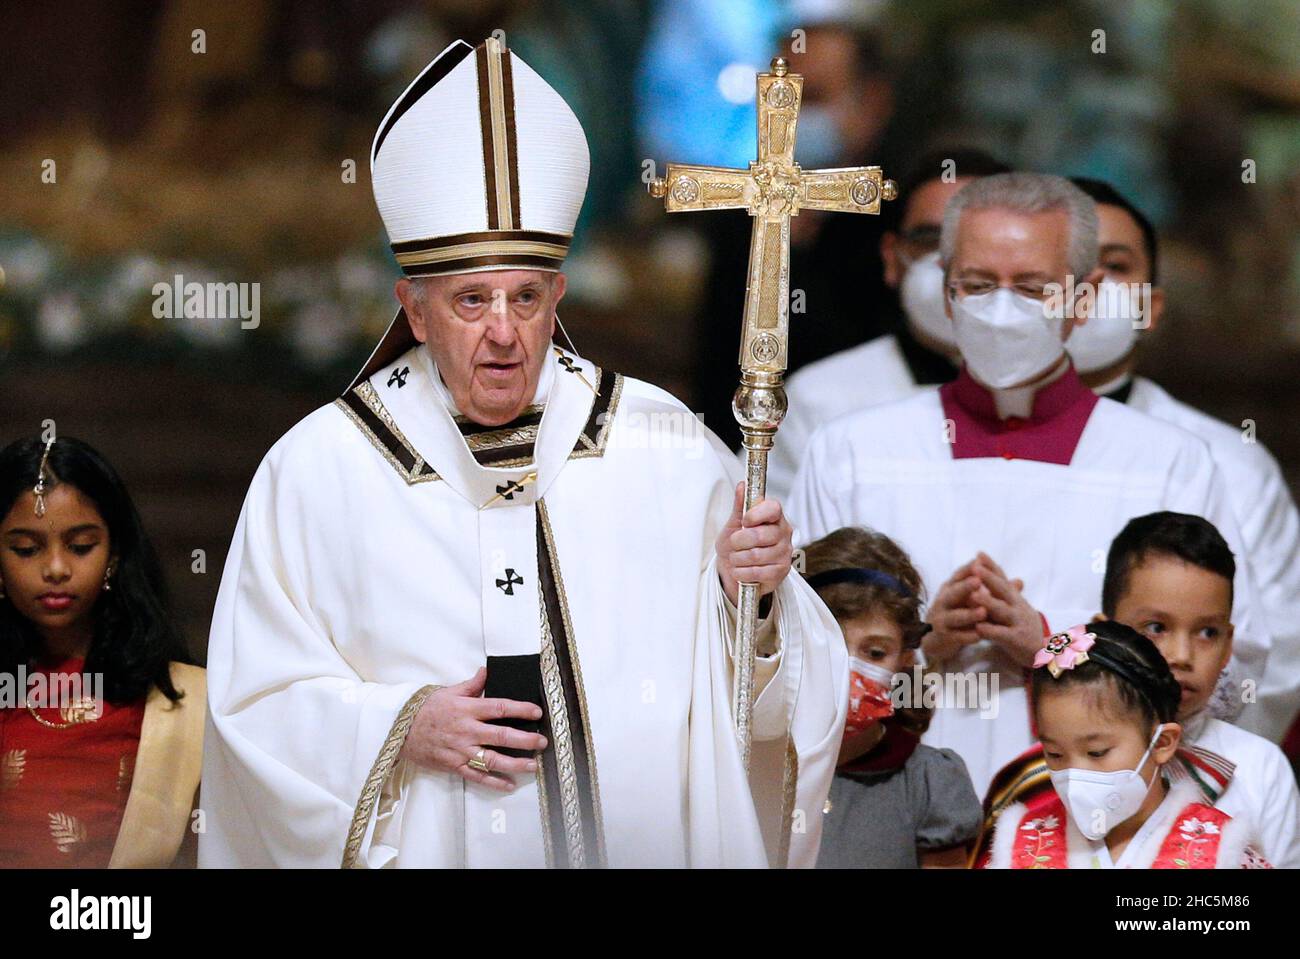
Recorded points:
(869, 699)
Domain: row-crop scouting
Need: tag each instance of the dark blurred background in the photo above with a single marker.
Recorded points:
(230, 164)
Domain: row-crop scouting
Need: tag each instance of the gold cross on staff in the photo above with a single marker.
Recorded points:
(773, 189)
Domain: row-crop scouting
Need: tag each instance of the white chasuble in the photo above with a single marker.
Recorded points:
(388, 547)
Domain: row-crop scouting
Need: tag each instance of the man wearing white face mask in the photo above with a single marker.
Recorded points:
(1015, 469)
(1104, 351)
(920, 350)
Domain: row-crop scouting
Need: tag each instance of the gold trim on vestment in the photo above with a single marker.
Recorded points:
(513, 463)
(544, 807)
(496, 439)
(562, 741)
(597, 448)
(367, 394)
(549, 539)
(379, 773)
(370, 397)
(789, 789)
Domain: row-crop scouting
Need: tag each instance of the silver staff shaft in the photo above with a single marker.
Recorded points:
(759, 406)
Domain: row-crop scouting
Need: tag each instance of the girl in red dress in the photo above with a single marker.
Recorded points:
(101, 718)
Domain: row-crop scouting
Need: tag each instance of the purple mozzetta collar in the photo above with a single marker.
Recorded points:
(1049, 435)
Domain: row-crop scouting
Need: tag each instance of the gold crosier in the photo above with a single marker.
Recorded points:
(773, 189)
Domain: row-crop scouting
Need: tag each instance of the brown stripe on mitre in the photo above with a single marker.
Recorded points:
(496, 125)
(470, 263)
(485, 128)
(502, 249)
(481, 236)
(512, 146)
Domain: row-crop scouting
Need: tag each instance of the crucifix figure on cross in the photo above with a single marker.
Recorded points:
(773, 189)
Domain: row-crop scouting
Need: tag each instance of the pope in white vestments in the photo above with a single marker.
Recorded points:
(395, 542)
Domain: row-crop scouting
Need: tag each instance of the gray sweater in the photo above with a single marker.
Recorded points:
(883, 818)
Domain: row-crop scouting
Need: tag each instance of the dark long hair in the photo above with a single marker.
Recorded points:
(135, 637)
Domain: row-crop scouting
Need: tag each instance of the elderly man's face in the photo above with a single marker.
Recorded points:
(488, 334)
(1021, 251)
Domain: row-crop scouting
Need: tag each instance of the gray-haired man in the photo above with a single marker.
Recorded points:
(1016, 469)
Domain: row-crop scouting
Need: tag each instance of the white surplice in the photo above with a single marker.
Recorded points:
(1263, 787)
(864, 375)
(1270, 530)
(892, 468)
(375, 557)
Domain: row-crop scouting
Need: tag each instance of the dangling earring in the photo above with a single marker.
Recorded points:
(2, 589)
(107, 573)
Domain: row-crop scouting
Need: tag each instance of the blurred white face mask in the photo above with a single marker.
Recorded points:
(1005, 338)
(1111, 330)
(921, 293)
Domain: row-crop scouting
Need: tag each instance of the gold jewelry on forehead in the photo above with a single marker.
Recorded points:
(39, 489)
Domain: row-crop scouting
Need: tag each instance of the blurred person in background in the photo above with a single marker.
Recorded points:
(848, 101)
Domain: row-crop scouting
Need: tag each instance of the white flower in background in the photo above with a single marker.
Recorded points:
(130, 283)
(209, 328)
(27, 265)
(91, 164)
(597, 277)
(296, 284)
(360, 276)
(322, 333)
(60, 324)
(399, 47)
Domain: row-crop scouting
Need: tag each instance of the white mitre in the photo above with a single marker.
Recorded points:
(479, 165)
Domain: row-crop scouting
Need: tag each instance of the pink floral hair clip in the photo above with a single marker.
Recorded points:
(1065, 650)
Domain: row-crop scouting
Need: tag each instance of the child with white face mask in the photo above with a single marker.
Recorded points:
(1105, 707)
(894, 803)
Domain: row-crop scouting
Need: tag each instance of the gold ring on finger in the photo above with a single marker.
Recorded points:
(479, 762)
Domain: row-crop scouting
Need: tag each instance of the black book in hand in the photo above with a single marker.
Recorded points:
(518, 678)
